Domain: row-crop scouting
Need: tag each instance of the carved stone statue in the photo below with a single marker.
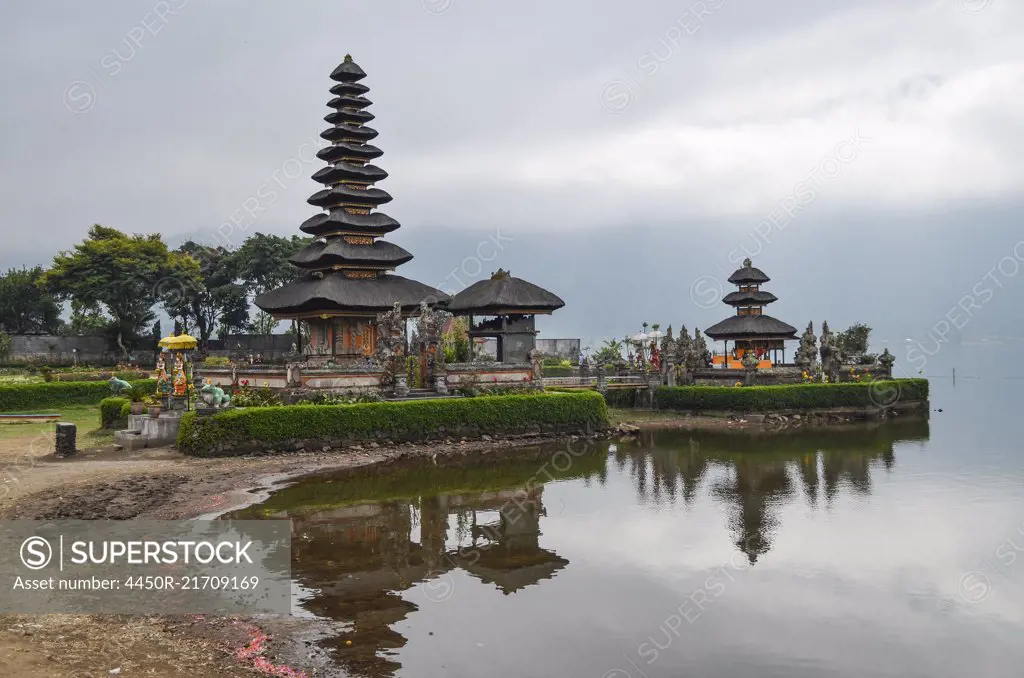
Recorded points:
(750, 363)
(390, 350)
(429, 324)
(831, 356)
(699, 353)
(807, 354)
(886, 360)
(118, 386)
(214, 396)
(668, 360)
(535, 364)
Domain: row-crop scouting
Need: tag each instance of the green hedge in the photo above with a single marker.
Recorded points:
(625, 398)
(789, 397)
(23, 397)
(110, 413)
(558, 371)
(245, 430)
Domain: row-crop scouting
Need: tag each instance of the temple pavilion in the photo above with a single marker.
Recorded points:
(504, 308)
(751, 329)
(347, 272)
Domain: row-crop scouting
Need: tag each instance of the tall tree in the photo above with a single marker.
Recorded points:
(261, 264)
(854, 340)
(203, 293)
(26, 308)
(121, 272)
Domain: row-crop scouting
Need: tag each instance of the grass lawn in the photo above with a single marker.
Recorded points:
(86, 416)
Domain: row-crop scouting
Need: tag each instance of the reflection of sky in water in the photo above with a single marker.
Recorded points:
(860, 561)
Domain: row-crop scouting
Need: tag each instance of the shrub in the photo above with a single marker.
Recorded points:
(111, 417)
(255, 397)
(127, 375)
(345, 398)
(558, 371)
(624, 398)
(790, 397)
(216, 361)
(246, 430)
(58, 394)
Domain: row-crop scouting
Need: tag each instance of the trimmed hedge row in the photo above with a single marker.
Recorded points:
(791, 396)
(21, 397)
(111, 417)
(242, 431)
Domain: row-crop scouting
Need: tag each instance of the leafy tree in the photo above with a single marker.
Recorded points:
(202, 292)
(25, 308)
(5, 345)
(854, 340)
(261, 264)
(610, 353)
(121, 272)
(455, 341)
(87, 319)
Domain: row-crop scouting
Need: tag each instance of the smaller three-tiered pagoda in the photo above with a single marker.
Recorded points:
(751, 329)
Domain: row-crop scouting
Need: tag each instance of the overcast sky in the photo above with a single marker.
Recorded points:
(626, 155)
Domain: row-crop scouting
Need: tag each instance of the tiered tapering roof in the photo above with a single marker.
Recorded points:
(348, 266)
(749, 301)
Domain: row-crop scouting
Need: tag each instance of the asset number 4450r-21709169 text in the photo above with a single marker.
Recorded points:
(150, 583)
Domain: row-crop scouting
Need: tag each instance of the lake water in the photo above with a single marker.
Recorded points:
(888, 551)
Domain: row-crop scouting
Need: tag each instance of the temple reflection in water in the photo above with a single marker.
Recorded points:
(363, 540)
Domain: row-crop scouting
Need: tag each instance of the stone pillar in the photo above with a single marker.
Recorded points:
(401, 385)
(584, 373)
(670, 376)
(653, 383)
(441, 384)
(602, 381)
(66, 440)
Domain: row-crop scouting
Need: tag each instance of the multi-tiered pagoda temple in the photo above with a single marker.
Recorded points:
(347, 271)
(751, 329)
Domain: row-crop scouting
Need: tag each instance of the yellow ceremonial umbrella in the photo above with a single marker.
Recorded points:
(182, 342)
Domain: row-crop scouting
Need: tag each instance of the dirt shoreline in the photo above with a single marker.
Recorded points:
(162, 484)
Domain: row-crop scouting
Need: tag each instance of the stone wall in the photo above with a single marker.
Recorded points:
(563, 348)
(45, 349)
(488, 374)
(335, 380)
(269, 346)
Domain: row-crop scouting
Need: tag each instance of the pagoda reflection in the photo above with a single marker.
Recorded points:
(361, 541)
(753, 475)
(356, 561)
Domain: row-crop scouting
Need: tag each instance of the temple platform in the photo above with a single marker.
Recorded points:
(146, 431)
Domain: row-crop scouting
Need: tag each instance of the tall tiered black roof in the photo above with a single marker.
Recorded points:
(347, 266)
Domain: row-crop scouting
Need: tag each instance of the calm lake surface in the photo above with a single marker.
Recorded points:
(887, 551)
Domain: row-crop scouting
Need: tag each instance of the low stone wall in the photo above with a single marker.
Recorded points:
(296, 377)
(488, 374)
(338, 380)
(718, 377)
